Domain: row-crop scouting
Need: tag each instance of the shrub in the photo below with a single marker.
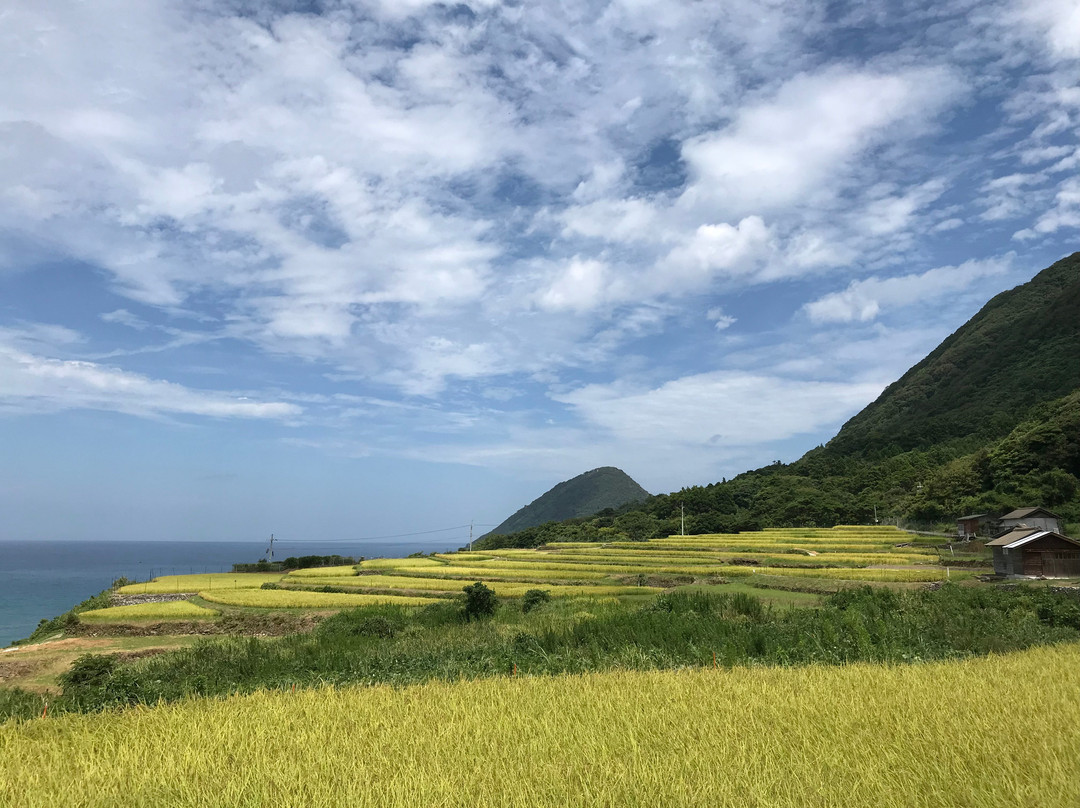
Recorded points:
(479, 601)
(534, 598)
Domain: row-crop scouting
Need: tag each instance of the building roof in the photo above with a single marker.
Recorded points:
(972, 516)
(1023, 513)
(1017, 533)
(1018, 537)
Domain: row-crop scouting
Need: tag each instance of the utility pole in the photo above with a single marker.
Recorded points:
(270, 549)
(682, 519)
(470, 534)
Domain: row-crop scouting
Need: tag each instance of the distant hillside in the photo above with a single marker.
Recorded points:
(1021, 349)
(584, 495)
(987, 422)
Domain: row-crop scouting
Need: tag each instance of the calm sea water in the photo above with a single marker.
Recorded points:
(46, 578)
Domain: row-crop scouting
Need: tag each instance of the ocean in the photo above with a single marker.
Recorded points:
(40, 579)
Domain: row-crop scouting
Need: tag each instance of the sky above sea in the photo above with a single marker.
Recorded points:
(333, 269)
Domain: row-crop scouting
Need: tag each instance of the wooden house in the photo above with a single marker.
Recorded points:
(1035, 552)
(976, 524)
(1031, 517)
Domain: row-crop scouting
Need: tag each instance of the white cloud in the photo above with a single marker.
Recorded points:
(864, 300)
(1057, 20)
(720, 319)
(720, 409)
(718, 249)
(30, 383)
(802, 142)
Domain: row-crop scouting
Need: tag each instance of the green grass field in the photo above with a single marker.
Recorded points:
(859, 736)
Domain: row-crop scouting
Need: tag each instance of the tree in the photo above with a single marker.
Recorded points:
(479, 601)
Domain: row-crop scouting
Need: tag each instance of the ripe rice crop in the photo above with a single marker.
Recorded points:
(704, 565)
(196, 583)
(480, 573)
(171, 610)
(399, 563)
(291, 599)
(898, 576)
(501, 588)
(860, 736)
(325, 572)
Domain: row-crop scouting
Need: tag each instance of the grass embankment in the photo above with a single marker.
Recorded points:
(862, 736)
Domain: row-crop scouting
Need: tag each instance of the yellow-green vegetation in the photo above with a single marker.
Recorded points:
(172, 610)
(482, 573)
(292, 599)
(905, 575)
(325, 572)
(508, 589)
(861, 736)
(399, 563)
(196, 583)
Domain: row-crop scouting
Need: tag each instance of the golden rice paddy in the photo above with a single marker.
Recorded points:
(171, 610)
(196, 583)
(992, 732)
(292, 599)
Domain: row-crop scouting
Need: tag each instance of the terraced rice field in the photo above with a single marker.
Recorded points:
(213, 581)
(291, 599)
(172, 610)
(451, 586)
(593, 569)
(860, 736)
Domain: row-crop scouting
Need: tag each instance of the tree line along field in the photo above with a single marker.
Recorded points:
(859, 735)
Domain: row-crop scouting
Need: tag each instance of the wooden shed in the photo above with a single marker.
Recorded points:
(1034, 552)
(976, 524)
(1032, 517)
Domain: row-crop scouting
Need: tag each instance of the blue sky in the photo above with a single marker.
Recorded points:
(334, 269)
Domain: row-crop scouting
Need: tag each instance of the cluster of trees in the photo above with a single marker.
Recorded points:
(297, 563)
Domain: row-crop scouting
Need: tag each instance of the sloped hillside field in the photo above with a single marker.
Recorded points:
(993, 731)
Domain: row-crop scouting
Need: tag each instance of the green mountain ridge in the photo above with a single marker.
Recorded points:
(987, 422)
(584, 495)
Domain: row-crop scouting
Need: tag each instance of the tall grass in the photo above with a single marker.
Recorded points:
(862, 736)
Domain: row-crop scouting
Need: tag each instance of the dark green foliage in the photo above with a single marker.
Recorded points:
(533, 599)
(394, 645)
(20, 704)
(480, 601)
(296, 563)
(584, 495)
(1021, 349)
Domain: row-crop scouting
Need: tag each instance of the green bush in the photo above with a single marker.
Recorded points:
(534, 598)
(480, 601)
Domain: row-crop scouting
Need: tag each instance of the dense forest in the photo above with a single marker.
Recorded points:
(988, 422)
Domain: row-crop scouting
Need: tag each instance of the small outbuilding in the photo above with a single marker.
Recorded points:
(1035, 552)
(1031, 517)
(976, 524)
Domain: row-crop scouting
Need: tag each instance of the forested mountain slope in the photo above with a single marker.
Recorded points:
(584, 495)
(1021, 349)
(988, 422)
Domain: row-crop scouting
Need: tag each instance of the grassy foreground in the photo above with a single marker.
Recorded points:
(859, 735)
